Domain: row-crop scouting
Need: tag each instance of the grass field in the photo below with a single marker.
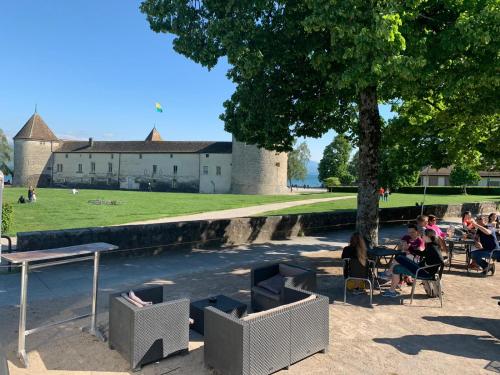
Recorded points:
(395, 200)
(59, 209)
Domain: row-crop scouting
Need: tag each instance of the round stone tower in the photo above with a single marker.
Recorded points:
(33, 146)
(257, 170)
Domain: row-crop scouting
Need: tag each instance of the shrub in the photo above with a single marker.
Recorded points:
(7, 217)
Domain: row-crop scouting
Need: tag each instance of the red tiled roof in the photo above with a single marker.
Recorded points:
(36, 129)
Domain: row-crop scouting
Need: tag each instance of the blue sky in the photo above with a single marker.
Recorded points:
(94, 68)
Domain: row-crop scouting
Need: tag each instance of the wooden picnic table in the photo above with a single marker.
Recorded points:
(44, 258)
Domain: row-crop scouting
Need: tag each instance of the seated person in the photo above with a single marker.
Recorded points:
(467, 221)
(485, 244)
(21, 199)
(430, 256)
(412, 243)
(432, 224)
(492, 225)
(356, 250)
(422, 222)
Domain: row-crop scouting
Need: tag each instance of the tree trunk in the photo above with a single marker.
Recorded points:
(369, 144)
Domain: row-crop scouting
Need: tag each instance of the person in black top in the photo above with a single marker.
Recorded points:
(430, 256)
(485, 245)
(356, 250)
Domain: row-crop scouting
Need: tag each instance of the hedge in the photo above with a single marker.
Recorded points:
(7, 216)
(438, 190)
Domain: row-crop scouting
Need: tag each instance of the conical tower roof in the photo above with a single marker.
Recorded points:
(153, 136)
(36, 129)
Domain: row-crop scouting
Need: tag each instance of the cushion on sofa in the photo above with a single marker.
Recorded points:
(273, 284)
(286, 270)
(275, 309)
(266, 293)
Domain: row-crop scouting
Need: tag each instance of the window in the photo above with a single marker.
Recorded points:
(218, 171)
(66, 156)
(174, 184)
(80, 169)
(112, 156)
(92, 180)
(205, 169)
(278, 164)
(92, 167)
(90, 156)
(206, 155)
(171, 155)
(175, 169)
(155, 169)
(42, 143)
(140, 156)
(110, 167)
(59, 167)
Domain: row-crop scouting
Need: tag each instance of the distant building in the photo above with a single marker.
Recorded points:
(42, 159)
(441, 177)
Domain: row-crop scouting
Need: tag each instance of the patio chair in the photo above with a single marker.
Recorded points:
(148, 334)
(491, 260)
(422, 275)
(268, 283)
(354, 270)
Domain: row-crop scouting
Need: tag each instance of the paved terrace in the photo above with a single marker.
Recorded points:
(390, 338)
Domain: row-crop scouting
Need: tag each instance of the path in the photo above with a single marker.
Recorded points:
(239, 212)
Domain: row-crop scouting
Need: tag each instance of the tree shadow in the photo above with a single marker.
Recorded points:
(492, 326)
(467, 346)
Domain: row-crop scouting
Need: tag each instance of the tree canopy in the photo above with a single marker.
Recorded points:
(334, 162)
(304, 67)
(5, 154)
(463, 175)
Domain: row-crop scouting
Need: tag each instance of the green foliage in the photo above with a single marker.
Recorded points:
(297, 162)
(7, 217)
(331, 182)
(463, 175)
(353, 167)
(335, 160)
(5, 154)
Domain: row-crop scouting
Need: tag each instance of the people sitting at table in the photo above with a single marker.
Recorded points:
(422, 221)
(429, 257)
(412, 243)
(485, 244)
(356, 250)
(432, 224)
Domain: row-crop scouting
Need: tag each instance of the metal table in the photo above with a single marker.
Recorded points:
(467, 243)
(220, 302)
(53, 257)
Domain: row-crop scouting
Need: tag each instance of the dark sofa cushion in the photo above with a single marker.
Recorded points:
(273, 284)
(286, 270)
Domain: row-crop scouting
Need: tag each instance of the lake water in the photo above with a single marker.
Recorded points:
(311, 180)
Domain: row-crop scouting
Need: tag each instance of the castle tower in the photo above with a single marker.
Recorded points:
(154, 136)
(257, 171)
(33, 146)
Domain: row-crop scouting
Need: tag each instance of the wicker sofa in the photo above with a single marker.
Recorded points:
(293, 276)
(150, 333)
(268, 341)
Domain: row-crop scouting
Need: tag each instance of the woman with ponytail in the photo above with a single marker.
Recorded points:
(356, 250)
(430, 256)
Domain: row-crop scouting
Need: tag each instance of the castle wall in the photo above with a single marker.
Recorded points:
(257, 170)
(174, 172)
(33, 162)
(213, 182)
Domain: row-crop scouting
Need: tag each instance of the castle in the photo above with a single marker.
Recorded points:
(42, 159)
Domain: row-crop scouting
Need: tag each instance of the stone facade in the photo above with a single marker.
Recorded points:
(33, 162)
(257, 170)
(204, 167)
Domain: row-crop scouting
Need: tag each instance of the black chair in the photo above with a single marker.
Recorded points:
(354, 270)
(292, 276)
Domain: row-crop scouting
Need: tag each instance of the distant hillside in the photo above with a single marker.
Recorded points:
(312, 168)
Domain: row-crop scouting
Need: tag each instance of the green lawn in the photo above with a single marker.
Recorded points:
(395, 200)
(58, 208)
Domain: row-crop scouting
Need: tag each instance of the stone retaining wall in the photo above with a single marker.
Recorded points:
(153, 238)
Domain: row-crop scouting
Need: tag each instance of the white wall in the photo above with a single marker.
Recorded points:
(213, 183)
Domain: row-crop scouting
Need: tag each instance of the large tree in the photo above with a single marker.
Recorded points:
(304, 67)
(5, 154)
(334, 162)
(297, 163)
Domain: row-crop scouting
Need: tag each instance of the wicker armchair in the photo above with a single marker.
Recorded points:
(150, 333)
(270, 340)
(294, 276)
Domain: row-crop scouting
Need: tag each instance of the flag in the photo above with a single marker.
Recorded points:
(158, 107)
